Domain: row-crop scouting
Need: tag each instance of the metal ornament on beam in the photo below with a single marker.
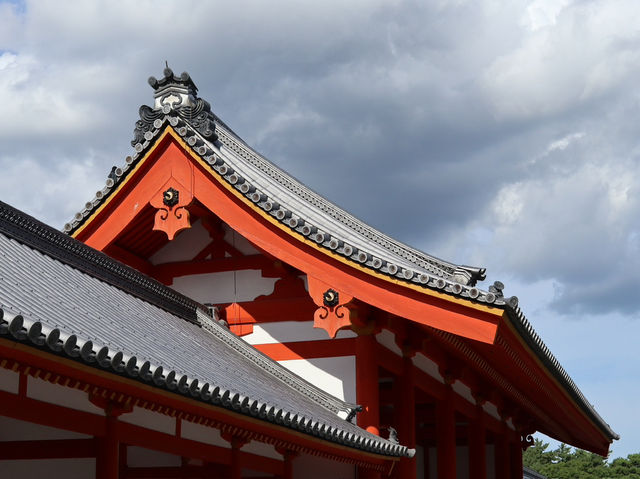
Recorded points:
(332, 314)
(171, 201)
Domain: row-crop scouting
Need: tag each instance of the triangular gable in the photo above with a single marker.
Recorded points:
(170, 166)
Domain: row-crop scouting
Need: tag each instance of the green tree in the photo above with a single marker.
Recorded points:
(569, 463)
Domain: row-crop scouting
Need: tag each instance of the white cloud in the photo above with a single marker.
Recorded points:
(584, 49)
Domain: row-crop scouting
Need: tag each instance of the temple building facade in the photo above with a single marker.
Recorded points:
(208, 315)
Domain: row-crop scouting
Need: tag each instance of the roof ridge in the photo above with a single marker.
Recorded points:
(27, 230)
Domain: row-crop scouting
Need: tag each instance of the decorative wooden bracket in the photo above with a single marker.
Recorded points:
(171, 201)
(111, 408)
(332, 314)
(526, 440)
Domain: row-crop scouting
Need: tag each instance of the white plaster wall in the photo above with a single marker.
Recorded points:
(49, 468)
(140, 457)
(312, 467)
(290, 331)
(262, 449)
(337, 376)
(184, 246)
(492, 410)
(16, 430)
(419, 462)
(226, 287)
(238, 241)
(462, 462)
(388, 340)
(426, 365)
(151, 420)
(61, 395)
(433, 463)
(491, 462)
(9, 381)
(198, 432)
(464, 391)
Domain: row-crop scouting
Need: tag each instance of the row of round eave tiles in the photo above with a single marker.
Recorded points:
(147, 372)
(287, 217)
(362, 229)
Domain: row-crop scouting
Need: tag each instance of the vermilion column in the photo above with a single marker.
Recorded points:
(367, 391)
(406, 417)
(107, 460)
(236, 460)
(502, 456)
(516, 458)
(477, 445)
(446, 436)
(288, 456)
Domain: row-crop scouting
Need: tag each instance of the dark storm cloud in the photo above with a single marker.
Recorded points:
(501, 135)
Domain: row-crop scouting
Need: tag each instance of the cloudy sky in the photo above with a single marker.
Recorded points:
(496, 134)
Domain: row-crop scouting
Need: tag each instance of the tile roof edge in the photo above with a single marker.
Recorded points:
(25, 229)
(544, 354)
(55, 341)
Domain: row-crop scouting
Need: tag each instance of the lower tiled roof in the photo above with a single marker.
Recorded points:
(63, 306)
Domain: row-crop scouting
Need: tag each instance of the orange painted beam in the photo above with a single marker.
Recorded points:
(309, 349)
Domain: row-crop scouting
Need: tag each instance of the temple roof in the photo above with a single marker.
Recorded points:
(275, 191)
(309, 215)
(61, 296)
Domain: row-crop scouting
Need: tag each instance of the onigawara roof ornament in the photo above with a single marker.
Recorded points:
(174, 95)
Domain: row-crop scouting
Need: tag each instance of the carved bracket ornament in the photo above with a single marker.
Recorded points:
(332, 313)
(526, 441)
(172, 215)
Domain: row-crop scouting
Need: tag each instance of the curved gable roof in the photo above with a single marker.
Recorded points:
(305, 213)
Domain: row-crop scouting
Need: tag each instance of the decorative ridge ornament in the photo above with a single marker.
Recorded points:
(174, 96)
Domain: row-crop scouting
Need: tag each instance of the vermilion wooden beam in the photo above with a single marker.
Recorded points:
(48, 449)
(309, 349)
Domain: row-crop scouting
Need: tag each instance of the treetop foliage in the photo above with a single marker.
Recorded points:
(568, 463)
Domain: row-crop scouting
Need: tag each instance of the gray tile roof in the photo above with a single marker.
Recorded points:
(531, 474)
(311, 215)
(285, 198)
(60, 295)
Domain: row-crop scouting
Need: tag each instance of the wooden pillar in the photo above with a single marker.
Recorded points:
(367, 388)
(502, 455)
(236, 460)
(405, 406)
(446, 436)
(107, 465)
(288, 457)
(516, 457)
(478, 445)
(367, 391)
(123, 460)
